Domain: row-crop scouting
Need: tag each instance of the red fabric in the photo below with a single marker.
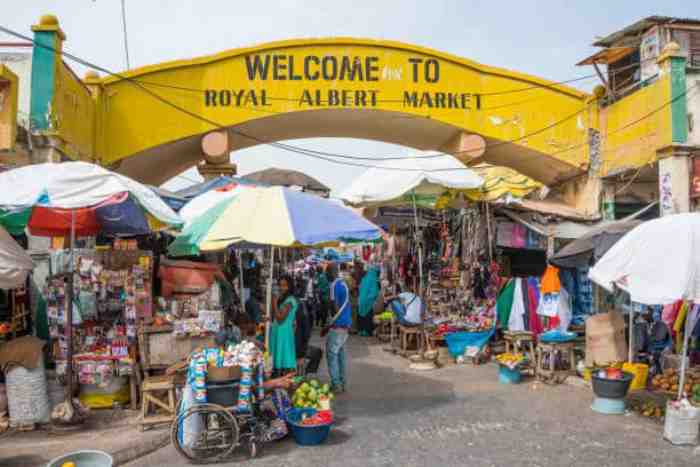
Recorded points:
(52, 222)
(56, 222)
(187, 277)
(533, 318)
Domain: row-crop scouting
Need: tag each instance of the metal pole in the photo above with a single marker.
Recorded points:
(126, 37)
(488, 230)
(420, 248)
(268, 300)
(686, 336)
(630, 357)
(69, 313)
(240, 277)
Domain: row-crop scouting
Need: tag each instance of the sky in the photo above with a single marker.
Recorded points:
(543, 38)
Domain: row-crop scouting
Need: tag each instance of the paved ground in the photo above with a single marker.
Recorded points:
(115, 432)
(459, 416)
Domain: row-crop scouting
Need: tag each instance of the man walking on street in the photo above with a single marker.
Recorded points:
(338, 329)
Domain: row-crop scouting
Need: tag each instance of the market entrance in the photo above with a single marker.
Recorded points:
(149, 122)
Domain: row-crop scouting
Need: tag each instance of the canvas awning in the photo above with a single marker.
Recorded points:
(607, 56)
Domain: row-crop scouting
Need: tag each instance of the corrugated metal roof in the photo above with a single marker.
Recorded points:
(635, 29)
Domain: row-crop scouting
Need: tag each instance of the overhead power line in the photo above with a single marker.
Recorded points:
(321, 155)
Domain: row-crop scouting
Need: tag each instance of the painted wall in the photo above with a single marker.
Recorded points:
(8, 109)
(693, 96)
(629, 140)
(73, 115)
(19, 60)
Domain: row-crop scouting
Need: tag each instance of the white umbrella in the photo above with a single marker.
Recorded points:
(15, 263)
(408, 182)
(657, 263)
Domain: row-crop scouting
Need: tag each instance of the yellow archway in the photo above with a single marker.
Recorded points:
(149, 120)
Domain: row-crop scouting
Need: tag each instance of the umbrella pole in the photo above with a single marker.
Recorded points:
(630, 357)
(240, 278)
(268, 300)
(488, 230)
(420, 248)
(686, 335)
(69, 313)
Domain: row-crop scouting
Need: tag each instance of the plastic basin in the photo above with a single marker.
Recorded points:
(612, 388)
(508, 376)
(83, 459)
(307, 435)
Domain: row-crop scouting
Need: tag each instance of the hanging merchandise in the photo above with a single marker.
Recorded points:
(516, 320)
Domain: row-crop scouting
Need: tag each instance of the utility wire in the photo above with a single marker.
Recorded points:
(326, 156)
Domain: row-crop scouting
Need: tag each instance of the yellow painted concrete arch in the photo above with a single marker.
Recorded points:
(380, 90)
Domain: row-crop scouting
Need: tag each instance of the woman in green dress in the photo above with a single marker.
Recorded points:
(284, 310)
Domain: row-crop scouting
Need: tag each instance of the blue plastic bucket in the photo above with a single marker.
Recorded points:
(508, 376)
(307, 435)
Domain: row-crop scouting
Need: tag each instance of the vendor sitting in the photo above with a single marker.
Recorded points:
(231, 351)
(407, 307)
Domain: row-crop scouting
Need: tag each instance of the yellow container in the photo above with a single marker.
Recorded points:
(640, 372)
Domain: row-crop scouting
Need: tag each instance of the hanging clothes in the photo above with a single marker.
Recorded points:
(504, 303)
(670, 313)
(534, 323)
(516, 320)
(526, 303)
(679, 326)
(519, 236)
(550, 280)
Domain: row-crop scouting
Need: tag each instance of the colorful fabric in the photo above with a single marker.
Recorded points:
(519, 236)
(670, 313)
(369, 291)
(516, 321)
(550, 280)
(534, 323)
(504, 234)
(504, 304)
(679, 326)
(282, 338)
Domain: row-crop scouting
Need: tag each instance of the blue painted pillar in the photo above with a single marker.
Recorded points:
(46, 57)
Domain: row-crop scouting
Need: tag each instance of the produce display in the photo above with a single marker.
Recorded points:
(510, 360)
(311, 395)
(322, 417)
(649, 409)
(670, 379)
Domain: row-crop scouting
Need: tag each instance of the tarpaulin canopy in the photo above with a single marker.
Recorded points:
(397, 182)
(208, 185)
(273, 216)
(15, 263)
(207, 200)
(589, 248)
(657, 262)
(48, 197)
(498, 183)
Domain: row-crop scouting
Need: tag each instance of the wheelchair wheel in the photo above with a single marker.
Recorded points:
(205, 433)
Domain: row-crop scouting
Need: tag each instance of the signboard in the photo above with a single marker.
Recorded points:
(314, 71)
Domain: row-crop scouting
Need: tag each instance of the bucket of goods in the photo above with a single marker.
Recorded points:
(611, 383)
(311, 418)
(310, 427)
(509, 367)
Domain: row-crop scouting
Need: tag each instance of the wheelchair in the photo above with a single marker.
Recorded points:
(220, 432)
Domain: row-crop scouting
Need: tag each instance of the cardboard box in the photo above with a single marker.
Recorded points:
(605, 339)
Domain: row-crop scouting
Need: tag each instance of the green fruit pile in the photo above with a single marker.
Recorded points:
(310, 395)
